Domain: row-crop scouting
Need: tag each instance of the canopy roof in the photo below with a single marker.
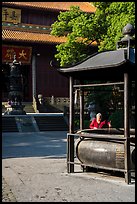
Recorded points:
(104, 63)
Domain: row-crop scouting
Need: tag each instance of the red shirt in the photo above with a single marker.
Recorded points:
(96, 125)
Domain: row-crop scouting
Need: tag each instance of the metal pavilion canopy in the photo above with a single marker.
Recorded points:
(103, 63)
(118, 66)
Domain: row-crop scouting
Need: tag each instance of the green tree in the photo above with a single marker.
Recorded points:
(75, 24)
(104, 26)
(117, 15)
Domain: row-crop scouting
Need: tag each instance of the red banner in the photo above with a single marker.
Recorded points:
(23, 54)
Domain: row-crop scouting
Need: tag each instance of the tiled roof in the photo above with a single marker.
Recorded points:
(37, 33)
(14, 35)
(59, 6)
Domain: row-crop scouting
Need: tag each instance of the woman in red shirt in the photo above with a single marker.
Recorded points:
(97, 123)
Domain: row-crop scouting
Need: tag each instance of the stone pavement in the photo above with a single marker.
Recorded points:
(7, 195)
(34, 170)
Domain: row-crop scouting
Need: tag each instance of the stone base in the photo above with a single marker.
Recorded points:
(15, 110)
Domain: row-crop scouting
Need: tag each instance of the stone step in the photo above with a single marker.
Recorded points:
(51, 123)
(32, 123)
(28, 107)
(9, 124)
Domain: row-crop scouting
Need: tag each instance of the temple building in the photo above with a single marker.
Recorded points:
(26, 28)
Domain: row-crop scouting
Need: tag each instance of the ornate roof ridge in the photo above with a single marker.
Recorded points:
(26, 27)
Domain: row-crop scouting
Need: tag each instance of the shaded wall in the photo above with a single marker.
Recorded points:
(49, 81)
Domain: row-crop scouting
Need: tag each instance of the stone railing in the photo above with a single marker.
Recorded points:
(57, 100)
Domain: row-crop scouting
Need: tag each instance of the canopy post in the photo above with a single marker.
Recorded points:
(81, 108)
(126, 129)
(70, 140)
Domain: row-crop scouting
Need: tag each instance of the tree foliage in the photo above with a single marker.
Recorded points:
(75, 24)
(104, 26)
(118, 14)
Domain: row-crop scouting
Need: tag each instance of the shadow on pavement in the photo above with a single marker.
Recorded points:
(48, 144)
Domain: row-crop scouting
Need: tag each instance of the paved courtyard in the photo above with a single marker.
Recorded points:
(34, 170)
